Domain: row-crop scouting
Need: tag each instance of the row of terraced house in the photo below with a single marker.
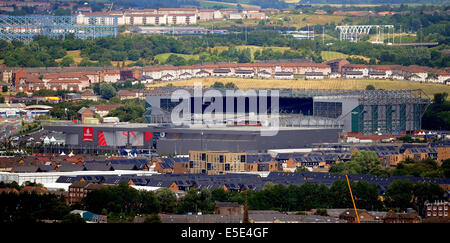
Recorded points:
(30, 80)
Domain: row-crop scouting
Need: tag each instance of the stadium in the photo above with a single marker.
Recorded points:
(305, 117)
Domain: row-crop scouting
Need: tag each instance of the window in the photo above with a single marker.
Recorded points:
(203, 156)
(445, 214)
(242, 158)
(227, 167)
(446, 208)
(429, 214)
(221, 158)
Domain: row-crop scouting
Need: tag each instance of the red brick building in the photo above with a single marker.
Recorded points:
(437, 210)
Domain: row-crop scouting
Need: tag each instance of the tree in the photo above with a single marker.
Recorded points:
(4, 88)
(301, 169)
(107, 91)
(152, 219)
(425, 191)
(340, 194)
(66, 61)
(399, 194)
(367, 196)
(217, 85)
(72, 218)
(370, 87)
(446, 167)
(167, 200)
(230, 85)
(196, 201)
(149, 202)
(361, 162)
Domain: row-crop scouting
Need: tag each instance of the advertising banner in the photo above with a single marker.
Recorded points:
(88, 134)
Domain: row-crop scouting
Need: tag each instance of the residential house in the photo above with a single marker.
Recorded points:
(124, 94)
(84, 113)
(337, 64)
(353, 74)
(89, 95)
(79, 189)
(377, 75)
(350, 216)
(244, 73)
(410, 216)
(202, 73)
(314, 75)
(228, 208)
(438, 209)
(284, 75)
(264, 74)
(103, 110)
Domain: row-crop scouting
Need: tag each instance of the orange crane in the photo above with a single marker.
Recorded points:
(353, 200)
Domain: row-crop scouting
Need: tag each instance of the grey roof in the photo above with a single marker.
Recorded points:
(97, 166)
(353, 73)
(314, 74)
(244, 72)
(70, 167)
(284, 73)
(221, 70)
(24, 169)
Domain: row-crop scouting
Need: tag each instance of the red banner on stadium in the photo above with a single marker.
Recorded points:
(88, 134)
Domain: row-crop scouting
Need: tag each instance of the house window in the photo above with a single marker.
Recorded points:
(227, 167)
(221, 158)
(429, 214)
(242, 158)
(203, 156)
(445, 214)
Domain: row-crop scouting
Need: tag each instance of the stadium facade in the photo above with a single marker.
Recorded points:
(305, 117)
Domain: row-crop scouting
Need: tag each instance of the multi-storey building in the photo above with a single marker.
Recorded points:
(216, 162)
(438, 209)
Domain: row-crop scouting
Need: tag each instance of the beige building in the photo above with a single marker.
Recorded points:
(216, 162)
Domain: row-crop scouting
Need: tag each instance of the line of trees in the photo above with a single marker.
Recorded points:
(367, 162)
(122, 202)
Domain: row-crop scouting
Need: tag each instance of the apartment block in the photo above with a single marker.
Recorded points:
(216, 162)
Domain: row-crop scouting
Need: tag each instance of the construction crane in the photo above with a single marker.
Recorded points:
(353, 200)
(110, 8)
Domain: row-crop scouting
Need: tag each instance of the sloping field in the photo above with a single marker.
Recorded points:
(302, 20)
(330, 55)
(253, 49)
(163, 57)
(429, 89)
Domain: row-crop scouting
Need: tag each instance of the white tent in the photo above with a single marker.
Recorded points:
(46, 140)
(63, 153)
(52, 140)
